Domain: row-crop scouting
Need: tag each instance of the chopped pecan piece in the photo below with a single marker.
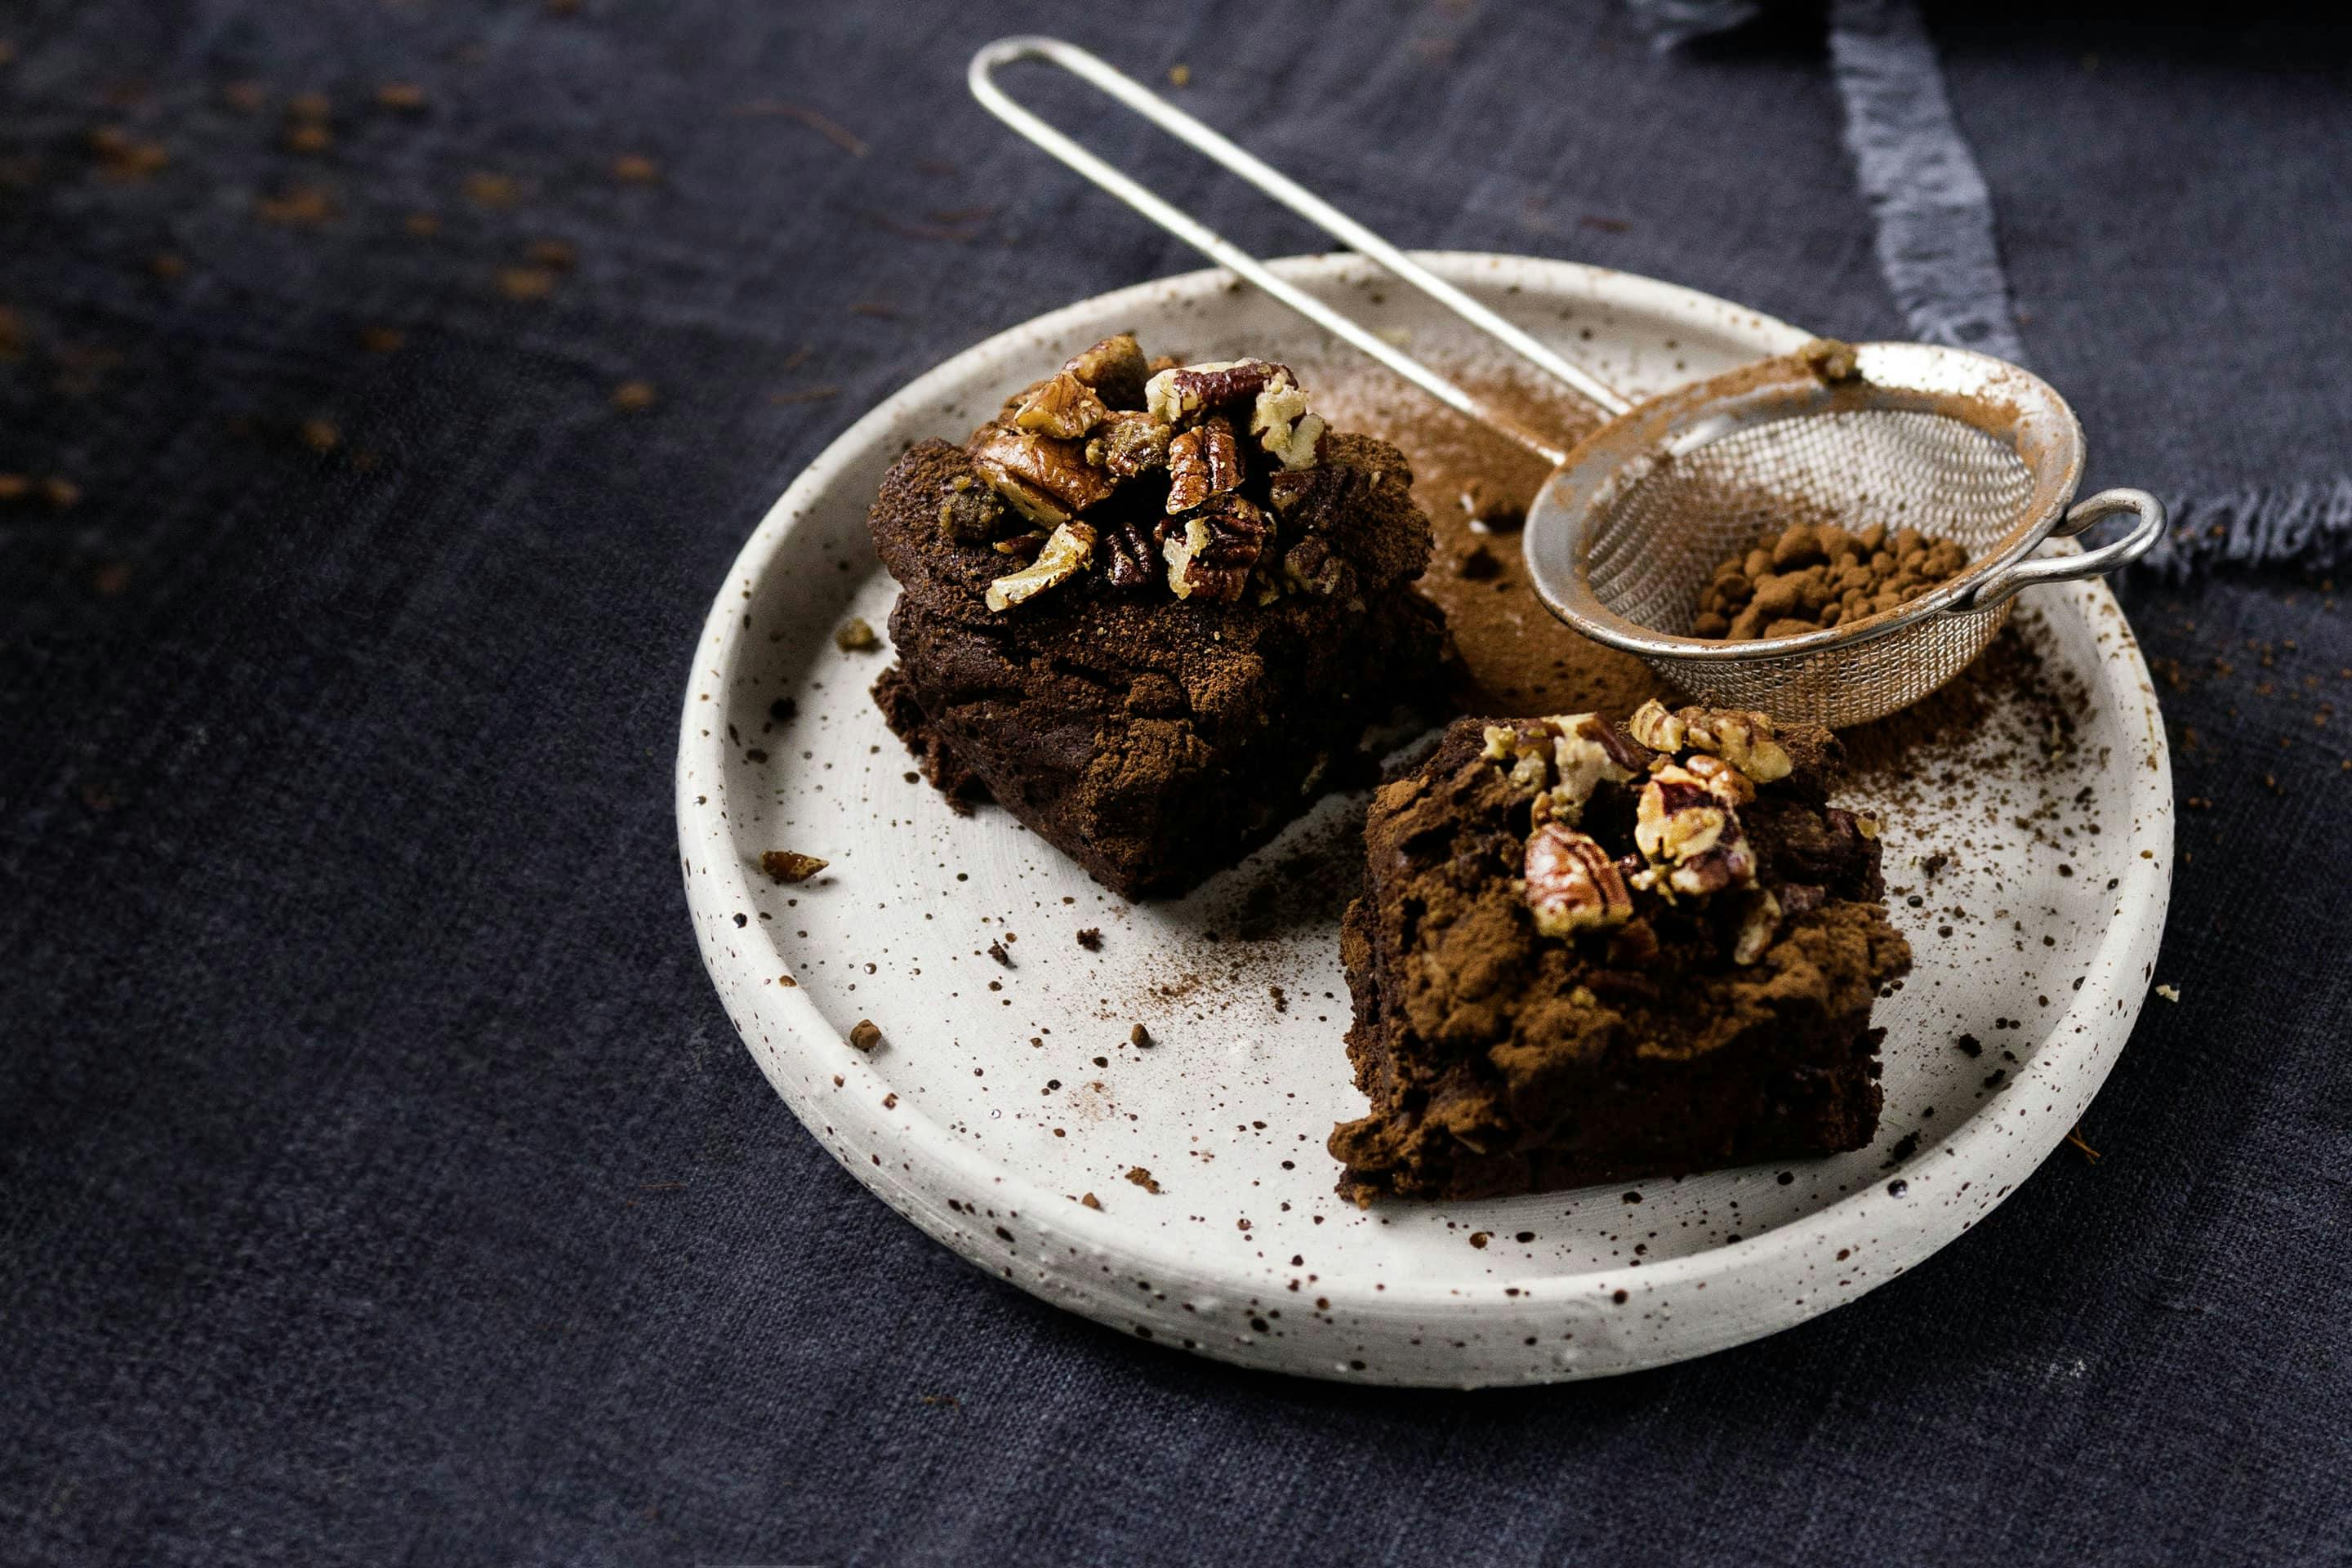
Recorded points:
(1201, 463)
(789, 865)
(1025, 544)
(1656, 728)
(1127, 445)
(1562, 760)
(1065, 554)
(1065, 407)
(1209, 550)
(1176, 396)
(969, 511)
(1038, 465)
(1758, 923)
(1741, 738)
(1115, 369)
(1692, 840)
(1279, 420)
(1312, 566)
(1571, 885)
(1723, 781)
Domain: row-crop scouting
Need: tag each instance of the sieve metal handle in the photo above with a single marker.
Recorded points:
(2004, 585)
(1092, 71)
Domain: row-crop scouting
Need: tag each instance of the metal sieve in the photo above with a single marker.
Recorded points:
(1635, 517)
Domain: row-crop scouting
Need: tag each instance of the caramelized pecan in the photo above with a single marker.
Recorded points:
(1039, 464)
(1115, 369)
(1065, 408)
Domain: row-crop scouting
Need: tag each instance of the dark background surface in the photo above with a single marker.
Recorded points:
(382, 1181)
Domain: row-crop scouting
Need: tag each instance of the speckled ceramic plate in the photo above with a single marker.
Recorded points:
(1005, 1095)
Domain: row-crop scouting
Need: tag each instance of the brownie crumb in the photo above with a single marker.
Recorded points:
(1091, 939)
(996, 951)
(1281, 1002)
(1478, 1239)
(1143, 1178)
(789, 865)
(783, 710)
(1478, 564)
(1091, 1201)
(854, 634)
(865, 1036)
(1969, 1046)
(1138, 1035)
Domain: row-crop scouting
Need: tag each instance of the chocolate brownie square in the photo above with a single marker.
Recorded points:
(1153, 615)
(1586, 953)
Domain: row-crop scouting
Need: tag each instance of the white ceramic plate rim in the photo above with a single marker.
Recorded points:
(715, 876)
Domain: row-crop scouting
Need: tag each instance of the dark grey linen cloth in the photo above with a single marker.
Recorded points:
(382, 1181)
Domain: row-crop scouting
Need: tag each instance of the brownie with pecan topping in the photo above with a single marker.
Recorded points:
(1588, 954)
(1152, 609)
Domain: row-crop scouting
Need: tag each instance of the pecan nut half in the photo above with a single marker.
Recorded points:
(1065, 408)
(1210, 551)
(1201, 463)
(1571, 884)
(1115, 369)
(1064, 555)
(1179, 395)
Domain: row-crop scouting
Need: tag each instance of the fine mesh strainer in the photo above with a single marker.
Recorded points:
(1630, 524)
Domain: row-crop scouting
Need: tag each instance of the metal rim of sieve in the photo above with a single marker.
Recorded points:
(1998, 399)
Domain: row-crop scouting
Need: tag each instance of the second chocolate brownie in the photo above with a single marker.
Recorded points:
(1153, 615)
(1581, 958)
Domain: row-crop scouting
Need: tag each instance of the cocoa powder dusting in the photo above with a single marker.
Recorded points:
(1517, 660)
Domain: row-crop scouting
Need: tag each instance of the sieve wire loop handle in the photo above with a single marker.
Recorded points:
(1095, 72)
(2003, 586)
